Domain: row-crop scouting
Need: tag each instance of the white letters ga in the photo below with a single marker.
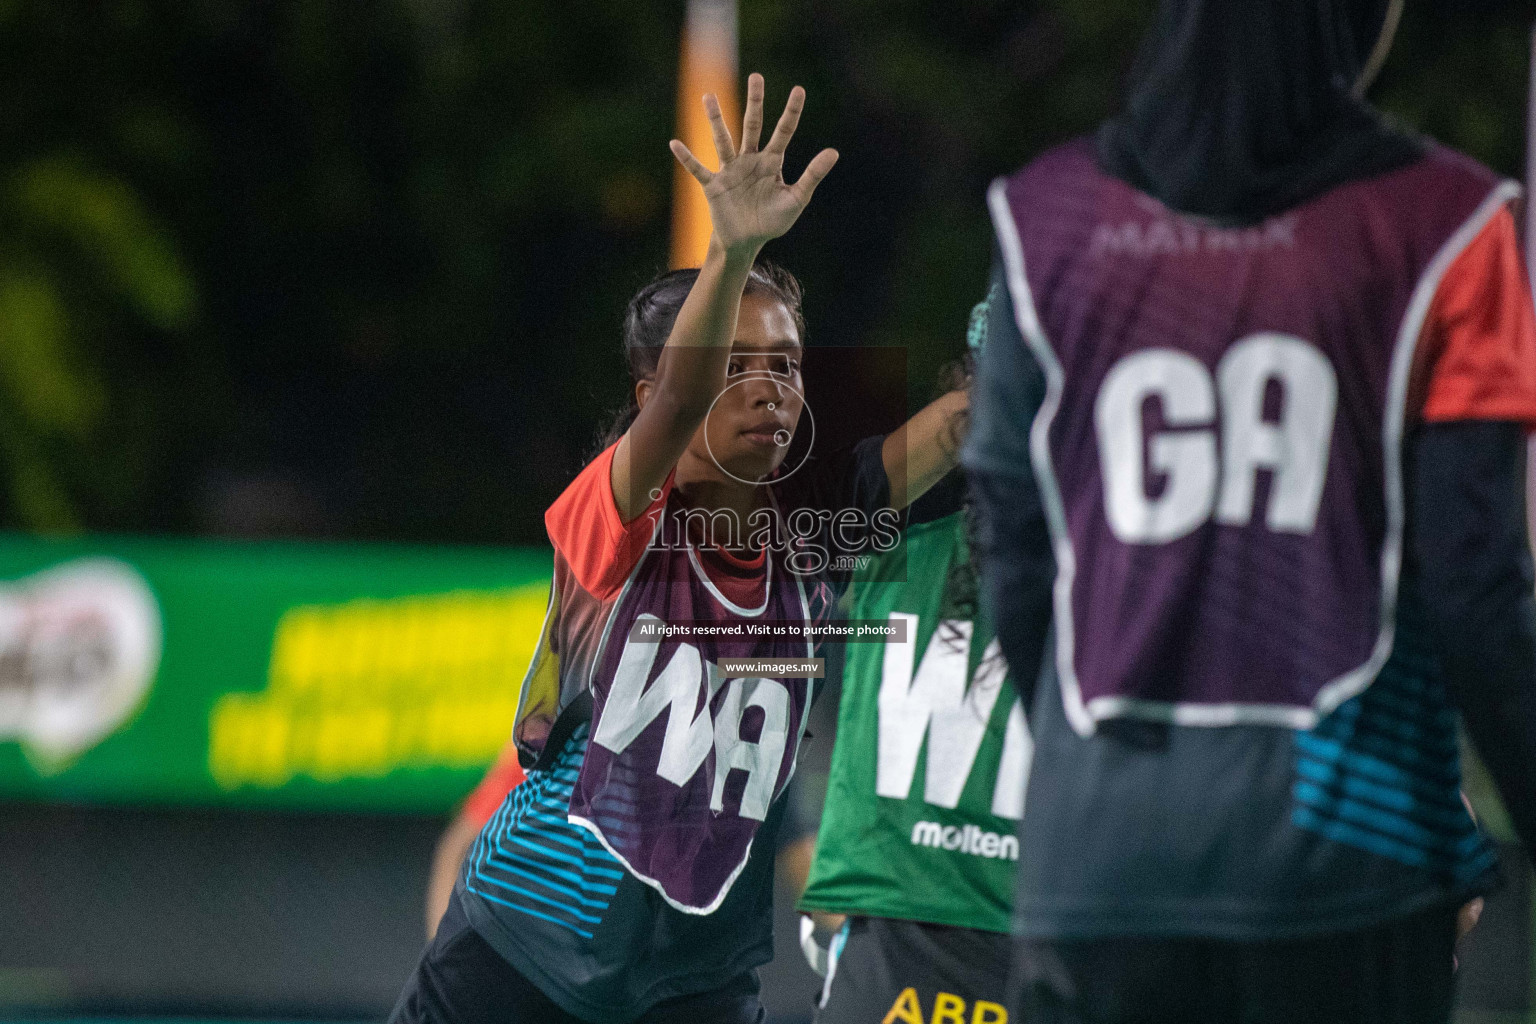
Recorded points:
(938, 704)
(1200, 480)
(691, 732)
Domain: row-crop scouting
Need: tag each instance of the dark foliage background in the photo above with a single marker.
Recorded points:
(355, 268)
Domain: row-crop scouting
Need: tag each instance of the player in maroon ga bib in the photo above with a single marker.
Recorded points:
(1254, 432)
(1249, 466)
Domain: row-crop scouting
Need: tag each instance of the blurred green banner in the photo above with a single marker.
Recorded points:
(333, 677)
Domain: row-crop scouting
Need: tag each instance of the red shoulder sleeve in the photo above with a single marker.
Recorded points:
(504, 776)
(583, 525)
(1478, 350)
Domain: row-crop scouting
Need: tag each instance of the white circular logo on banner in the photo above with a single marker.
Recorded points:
(79, 646)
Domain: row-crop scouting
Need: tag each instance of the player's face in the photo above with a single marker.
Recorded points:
(748, 431)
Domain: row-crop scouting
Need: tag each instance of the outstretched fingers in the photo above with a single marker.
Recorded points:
(788, 122)
(725, 149)
(691, 163)
(752, 122)
(817, 169)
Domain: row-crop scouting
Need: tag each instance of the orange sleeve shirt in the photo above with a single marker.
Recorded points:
(585, 529)
(503, 777)
(1477, 355)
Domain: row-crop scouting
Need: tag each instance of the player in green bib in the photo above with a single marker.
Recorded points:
(918, 842)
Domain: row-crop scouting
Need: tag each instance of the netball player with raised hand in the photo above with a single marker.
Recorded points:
(630, 876)
(1248, 450)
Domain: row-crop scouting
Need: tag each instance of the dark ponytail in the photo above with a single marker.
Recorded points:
(962, 588)
(653, 311)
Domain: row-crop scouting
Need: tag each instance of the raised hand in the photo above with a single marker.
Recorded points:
(749, 201)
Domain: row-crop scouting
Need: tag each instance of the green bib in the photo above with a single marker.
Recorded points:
(932, 756)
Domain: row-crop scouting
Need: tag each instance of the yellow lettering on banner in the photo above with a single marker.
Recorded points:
(905, 1008)
(361, 689)
(480, 645)
(984, 1012)
(411, 650)
(247, 741)
(295, 651)
(407, 738)
(355, 634)
(350, 743)
(451, 633)
(948, 1008)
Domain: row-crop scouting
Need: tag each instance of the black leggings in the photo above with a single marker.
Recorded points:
(462, 980)
(1400, 973)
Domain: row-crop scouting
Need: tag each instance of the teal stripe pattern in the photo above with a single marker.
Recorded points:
(1383, 772)
(530, 860)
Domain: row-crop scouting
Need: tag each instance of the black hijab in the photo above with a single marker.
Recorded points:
(1239, 109)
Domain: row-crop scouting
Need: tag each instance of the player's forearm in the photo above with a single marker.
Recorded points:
(1499, 708)
(692, 369)
(694, 359)
(1469, 541)
(447, 859)
(922, 450)
(689, 377)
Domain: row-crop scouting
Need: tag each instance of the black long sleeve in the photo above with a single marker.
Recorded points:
(1468, 541)
(1012, 539)
(1017, 570)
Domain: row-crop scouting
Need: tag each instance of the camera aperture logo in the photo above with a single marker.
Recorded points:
(808, 539)
(779, 376)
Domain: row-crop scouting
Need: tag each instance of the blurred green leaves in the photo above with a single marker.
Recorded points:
(380, 249)
(73, 240)
(46, 400)
(49, 391)
(105, 224)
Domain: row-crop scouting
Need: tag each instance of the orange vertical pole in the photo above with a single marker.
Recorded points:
(707, 64)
